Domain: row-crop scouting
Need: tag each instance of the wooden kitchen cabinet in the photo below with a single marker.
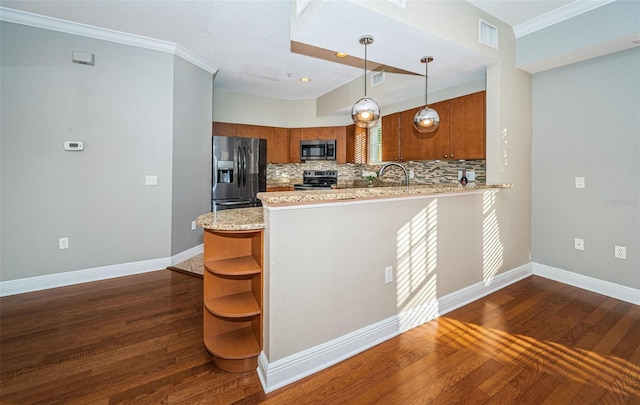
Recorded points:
(461, 134)
(467, 127)
(356, 144)
(411, 141)
(224, 129)
(232, 298)
(277, 143)
(391, 138)
(295, 134)
(436, 144)
(248, 131)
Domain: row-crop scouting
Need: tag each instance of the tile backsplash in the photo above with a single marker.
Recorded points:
(425, 172)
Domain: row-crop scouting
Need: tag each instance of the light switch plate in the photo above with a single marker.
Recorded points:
(579, 182)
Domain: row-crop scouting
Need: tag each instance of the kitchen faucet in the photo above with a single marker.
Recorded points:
(384, 167)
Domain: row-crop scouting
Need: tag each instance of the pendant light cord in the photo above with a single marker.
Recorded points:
(426, 84)
(365, 70)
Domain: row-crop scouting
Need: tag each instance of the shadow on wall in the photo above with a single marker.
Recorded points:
(417, 261)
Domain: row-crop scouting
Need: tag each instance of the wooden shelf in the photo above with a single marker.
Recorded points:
(232, 298)
(240, 305)
(234, 345)
(236, 266)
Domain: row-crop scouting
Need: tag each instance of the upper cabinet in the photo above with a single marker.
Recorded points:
(277, 138)
(277, 144)
(461, 134)
(467, 127)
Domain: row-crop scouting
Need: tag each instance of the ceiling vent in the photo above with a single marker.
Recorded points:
(488, 34)
(377, 78)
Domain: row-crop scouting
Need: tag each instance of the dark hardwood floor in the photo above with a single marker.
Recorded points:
(138, 339)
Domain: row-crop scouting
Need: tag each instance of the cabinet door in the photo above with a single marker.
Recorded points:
(467, 132)
(279, 147)
(308, 134)
(390, 138)
(356, 144)
(411, 141)
(224, 129)
(294, 145)
(248, 131)
(340, 135)
(436, 143)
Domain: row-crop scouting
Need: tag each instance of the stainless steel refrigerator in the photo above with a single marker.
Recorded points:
(239, 172)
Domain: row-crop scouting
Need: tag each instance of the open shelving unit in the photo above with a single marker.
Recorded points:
(233, 262)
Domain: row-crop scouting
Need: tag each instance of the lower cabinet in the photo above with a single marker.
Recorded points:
(232, 298)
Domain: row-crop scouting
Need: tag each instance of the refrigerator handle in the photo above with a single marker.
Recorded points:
(244, 166)
(239, 167)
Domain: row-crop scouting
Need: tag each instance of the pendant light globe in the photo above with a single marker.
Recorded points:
(426, 120)
(365, 113)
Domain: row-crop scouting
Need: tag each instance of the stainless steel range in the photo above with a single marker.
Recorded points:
(317, 180)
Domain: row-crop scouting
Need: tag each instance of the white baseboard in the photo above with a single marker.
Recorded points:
(29, 284)
(613, 290)
(187, 254)
(292, 368)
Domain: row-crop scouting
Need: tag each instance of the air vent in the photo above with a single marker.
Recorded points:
(488, 34)
(377, 78)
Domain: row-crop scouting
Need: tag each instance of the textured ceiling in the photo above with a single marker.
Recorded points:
(249, 41)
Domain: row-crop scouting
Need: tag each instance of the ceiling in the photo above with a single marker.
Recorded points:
(250, 43)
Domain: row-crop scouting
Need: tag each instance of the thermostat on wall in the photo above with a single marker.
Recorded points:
(73, 145)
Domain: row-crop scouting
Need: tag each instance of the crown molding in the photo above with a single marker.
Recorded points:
(558, 15)
(69, 27)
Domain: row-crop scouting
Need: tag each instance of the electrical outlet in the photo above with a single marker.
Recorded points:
(578, 243)
(63, 243)
(620, 252)
(411, 174)
(388, 274)
(193, 225)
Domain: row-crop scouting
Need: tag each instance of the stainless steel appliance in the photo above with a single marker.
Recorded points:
(317, 180)
(239, 172)
(319, 149)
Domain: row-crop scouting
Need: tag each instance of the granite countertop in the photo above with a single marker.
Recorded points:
(238, 219)
(368, 193)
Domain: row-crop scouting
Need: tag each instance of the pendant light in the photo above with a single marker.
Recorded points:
(427, 119)
(365, 113)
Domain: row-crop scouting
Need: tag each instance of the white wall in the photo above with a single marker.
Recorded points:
(191, 181)
(587, 124)
(123, 110)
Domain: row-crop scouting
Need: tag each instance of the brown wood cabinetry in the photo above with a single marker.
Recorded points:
(295, 134)
(467, 127)
(248, 131)
(277, 138)
(391, 138)
(277, 143)
(461, 134)
(233, 285)
(224, 129)
(436, 143)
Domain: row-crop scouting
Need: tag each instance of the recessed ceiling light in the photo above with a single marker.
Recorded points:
(341, 55)
(305, 79)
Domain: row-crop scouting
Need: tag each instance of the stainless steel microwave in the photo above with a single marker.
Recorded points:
(319, 149)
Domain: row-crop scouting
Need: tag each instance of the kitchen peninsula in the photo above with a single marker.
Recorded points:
(346, 269)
